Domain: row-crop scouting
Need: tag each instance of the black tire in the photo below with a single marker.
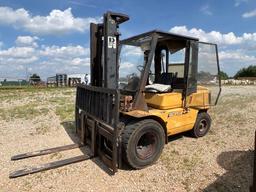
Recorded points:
(202, 125)
(142, 142)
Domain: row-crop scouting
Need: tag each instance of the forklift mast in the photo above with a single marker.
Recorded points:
(97, 105)
(104, 50)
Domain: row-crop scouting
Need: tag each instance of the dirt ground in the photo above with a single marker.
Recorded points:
(36, 119)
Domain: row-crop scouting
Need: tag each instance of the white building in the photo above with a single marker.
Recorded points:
(85, 78)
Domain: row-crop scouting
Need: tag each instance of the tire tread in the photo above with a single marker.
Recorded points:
(127, 133)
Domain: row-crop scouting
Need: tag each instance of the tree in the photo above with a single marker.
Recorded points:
(34, 79)
(223, 75)
(246, 72)
(204, 76)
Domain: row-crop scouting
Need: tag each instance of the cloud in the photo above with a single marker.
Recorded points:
(127, 68)
(56, 23)
(249, 14)
(41, 59)
(80, 62)
(15, 62)
(215, 36)
(64, 51)
(83, 4)
(66, 59)
(129, 50)
(231, 58)
(206, 10)
(125, 65)
(18, 52)
(239, 2)
(26, 41)
(237, 55)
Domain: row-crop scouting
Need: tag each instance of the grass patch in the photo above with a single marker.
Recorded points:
(68, 92)
(172, 161)
(42, 130)
(69, 124)
(61, 99)
(27, 185)
(56, 155)
(58, 100)
(66, 112)
(28, 111)
(8, 96)
(189, 163)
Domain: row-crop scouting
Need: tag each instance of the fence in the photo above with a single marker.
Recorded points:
(238, 82)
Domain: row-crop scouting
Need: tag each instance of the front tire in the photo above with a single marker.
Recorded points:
(143, 142)
(202, 125)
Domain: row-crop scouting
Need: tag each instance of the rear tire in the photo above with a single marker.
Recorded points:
(202, 125)
(142, 142)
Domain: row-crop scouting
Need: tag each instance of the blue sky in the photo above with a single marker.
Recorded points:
(48, 36)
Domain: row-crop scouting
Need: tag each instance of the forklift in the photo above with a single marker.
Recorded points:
(142, 90)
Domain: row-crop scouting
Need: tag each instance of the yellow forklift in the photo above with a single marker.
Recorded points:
(143, 90)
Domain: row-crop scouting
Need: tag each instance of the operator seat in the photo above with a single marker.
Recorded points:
(165, 78)
(162, 85)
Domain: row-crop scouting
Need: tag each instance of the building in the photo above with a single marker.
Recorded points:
(71, 80)
(74, 79)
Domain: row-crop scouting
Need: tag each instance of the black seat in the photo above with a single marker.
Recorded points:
(178, 82)
(165, 78)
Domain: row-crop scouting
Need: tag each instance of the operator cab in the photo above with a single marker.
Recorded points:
(169, 64)
(157, 62)
(168, 67)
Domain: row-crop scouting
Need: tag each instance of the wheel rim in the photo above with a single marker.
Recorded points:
(146, 145)
(203, 126)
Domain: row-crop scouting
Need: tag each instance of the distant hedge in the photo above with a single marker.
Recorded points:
(223, 75)
(246, 72)
(13, 83)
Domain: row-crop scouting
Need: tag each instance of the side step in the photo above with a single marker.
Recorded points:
(48, 166)
(51, 165)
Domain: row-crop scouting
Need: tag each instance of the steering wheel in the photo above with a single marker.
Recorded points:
(140, 68)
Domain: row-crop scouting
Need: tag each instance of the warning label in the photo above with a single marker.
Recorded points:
(111, 42)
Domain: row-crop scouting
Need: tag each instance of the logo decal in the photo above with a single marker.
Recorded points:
(111, 42)
(175, 113)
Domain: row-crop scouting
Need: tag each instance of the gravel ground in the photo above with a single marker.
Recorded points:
(37, 119)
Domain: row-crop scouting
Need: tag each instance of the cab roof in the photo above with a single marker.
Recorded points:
(137, 39)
